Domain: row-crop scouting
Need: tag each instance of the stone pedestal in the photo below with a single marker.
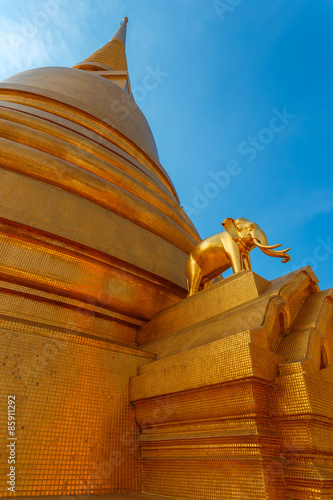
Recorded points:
(237, 404)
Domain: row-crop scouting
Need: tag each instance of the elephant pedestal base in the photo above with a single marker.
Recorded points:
(232, 292)
(237, 403)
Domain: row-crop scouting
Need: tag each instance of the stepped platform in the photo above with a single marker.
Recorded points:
(239, 400)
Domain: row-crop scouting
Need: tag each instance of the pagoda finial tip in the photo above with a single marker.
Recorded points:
(120, 34)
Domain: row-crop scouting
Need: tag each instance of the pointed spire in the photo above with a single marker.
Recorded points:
(120, 34)
(110, 60)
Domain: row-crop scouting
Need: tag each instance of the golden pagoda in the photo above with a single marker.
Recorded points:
(113, 383)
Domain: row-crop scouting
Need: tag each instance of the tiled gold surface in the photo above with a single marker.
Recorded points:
(58, 213)
(213, 442)
(212, 479)
(301, 405)
(27, 260)
(75, 154)
(231, 359)
(71, 178)
(76, 431)
(129, 496)
(231, 419)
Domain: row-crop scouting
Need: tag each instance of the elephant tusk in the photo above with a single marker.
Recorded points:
(283, 251)
(269, 250)
(268, 247)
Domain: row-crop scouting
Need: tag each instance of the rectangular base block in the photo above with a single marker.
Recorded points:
(217, 299)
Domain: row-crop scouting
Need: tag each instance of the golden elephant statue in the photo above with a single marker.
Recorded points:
(231, 248)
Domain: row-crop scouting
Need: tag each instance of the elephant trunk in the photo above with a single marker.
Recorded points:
(268, 250)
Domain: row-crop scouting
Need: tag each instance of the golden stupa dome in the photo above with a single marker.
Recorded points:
(102, 216)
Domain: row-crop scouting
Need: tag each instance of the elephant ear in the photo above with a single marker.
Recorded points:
(230, 227)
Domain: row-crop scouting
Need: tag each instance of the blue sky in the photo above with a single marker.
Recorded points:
(241, 114)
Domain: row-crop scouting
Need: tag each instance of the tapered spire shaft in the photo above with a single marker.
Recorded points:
(120, 34)
(110, 60)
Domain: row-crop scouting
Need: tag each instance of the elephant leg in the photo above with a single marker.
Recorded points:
(233, 253)
(236, 263)
(194, 276)
(247, 262)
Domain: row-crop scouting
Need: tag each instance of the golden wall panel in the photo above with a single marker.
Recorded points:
(29, 307)
(76, 430)
(212, 479)
(209, 443)
(300, 393)
(48, 267)
(240, 399)
(229, 359)
(304, 435)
